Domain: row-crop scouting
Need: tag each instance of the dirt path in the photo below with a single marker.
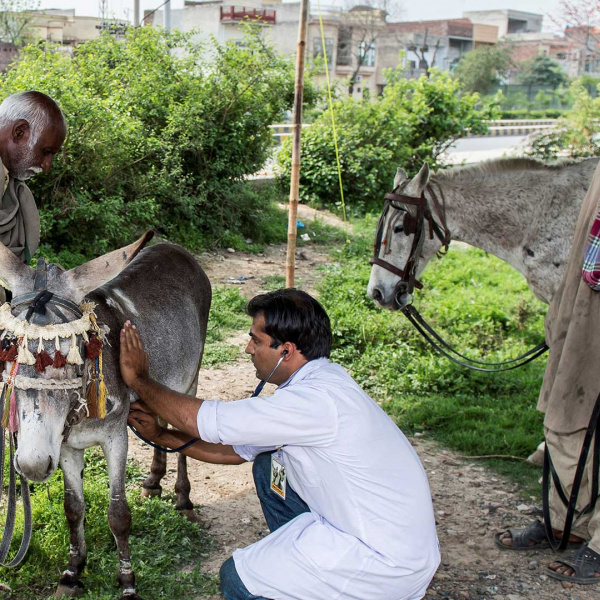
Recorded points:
(471, 503)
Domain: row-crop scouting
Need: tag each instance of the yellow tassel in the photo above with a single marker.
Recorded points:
(74, 357)
(25, 357)
(101, 399)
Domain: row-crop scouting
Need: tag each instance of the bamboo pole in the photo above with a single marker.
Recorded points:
(290, 262)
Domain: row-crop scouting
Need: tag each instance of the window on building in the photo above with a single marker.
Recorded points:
(318, 49)
(366, 54)
(344, 50)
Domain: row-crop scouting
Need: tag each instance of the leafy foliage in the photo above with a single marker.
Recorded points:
(165, 546)
(412, 122)
(482, 69)
(576, 135)
(541, 70)
(161, 132)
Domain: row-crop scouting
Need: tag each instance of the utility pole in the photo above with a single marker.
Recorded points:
(103, 9)
(168, 16)
(290, 262)
(136, 13)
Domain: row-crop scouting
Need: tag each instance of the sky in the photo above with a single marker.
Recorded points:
(412, 10)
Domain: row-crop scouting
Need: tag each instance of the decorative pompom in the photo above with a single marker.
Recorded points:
(74, 358)
(93, 348)
(42, 359)
(25, 357)
(59, 358)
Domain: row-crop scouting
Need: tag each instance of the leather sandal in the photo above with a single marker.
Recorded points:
(584, 562)
(523, 536)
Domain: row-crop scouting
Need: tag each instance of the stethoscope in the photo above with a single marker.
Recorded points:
(256, 392)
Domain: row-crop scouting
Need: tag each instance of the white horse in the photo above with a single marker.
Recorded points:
(521, 210)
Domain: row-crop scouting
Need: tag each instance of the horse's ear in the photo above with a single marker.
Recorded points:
(91, 275)
(400, 177)
(13, 272)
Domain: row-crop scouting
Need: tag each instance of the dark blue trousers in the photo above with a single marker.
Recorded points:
(277, 513)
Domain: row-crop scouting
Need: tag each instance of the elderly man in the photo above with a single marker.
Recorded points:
(342, 490)
(32, 130)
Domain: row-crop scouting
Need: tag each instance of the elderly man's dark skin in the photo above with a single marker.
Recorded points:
(19, 156)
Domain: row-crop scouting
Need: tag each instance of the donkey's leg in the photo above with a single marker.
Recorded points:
(119, 515)
(182, 485)
(71, 462)
(151, 486)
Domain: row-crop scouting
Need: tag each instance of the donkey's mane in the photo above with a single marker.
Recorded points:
(500, 166)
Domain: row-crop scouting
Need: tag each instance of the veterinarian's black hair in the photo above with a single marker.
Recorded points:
(294, 316)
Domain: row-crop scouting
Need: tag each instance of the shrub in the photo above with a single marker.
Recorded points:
(412, 122)
(161, 132)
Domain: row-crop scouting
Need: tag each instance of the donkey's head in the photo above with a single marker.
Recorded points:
(396, 234)
(44, 332)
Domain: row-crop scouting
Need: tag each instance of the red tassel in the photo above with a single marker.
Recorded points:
(12, 419)
(42, 360)
(59, 360)
(92, 399)
(93, 348)
(10, 355)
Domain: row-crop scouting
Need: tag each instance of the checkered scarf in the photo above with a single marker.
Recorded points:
(591, 260)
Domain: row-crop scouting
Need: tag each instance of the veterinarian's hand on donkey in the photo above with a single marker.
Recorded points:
(133, 359)
(144, 421)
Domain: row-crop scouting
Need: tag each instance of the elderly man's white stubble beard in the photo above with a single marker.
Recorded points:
(24, 159)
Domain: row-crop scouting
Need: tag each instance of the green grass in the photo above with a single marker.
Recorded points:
(227, 316)
(166, 549)
(484, 308)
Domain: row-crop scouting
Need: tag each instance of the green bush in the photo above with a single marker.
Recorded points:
(161, 132)
(412, 122)
(550, 113)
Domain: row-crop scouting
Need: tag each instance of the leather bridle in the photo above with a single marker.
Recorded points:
(412, 224)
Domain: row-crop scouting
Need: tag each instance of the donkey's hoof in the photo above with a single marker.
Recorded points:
(151, 492)
(185, 505)
(69, 589)
(130, 596)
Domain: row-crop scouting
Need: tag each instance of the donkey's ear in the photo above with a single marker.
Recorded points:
(17, 275)
(400, 177)
(419, 181)
(87, 277)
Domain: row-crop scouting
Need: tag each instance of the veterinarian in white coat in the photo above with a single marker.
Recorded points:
(353, 517)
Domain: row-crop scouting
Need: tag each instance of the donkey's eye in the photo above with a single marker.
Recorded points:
(399, 228)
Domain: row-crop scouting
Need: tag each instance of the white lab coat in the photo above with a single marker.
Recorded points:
(370, 534)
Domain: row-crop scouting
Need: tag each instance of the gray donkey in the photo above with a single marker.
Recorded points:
(166, 293)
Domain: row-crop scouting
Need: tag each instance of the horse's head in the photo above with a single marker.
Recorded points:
(396, 252)
(44, 331)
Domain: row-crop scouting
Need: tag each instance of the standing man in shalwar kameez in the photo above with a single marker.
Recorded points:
(569, 392)
(32, 130)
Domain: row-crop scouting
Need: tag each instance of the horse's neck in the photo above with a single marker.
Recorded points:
(480, 215)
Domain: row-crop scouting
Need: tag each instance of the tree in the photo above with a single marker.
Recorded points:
(420, 47)
(542, 71)
(580, 22)
(484, 68)
(15, 20)
(361, 27)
